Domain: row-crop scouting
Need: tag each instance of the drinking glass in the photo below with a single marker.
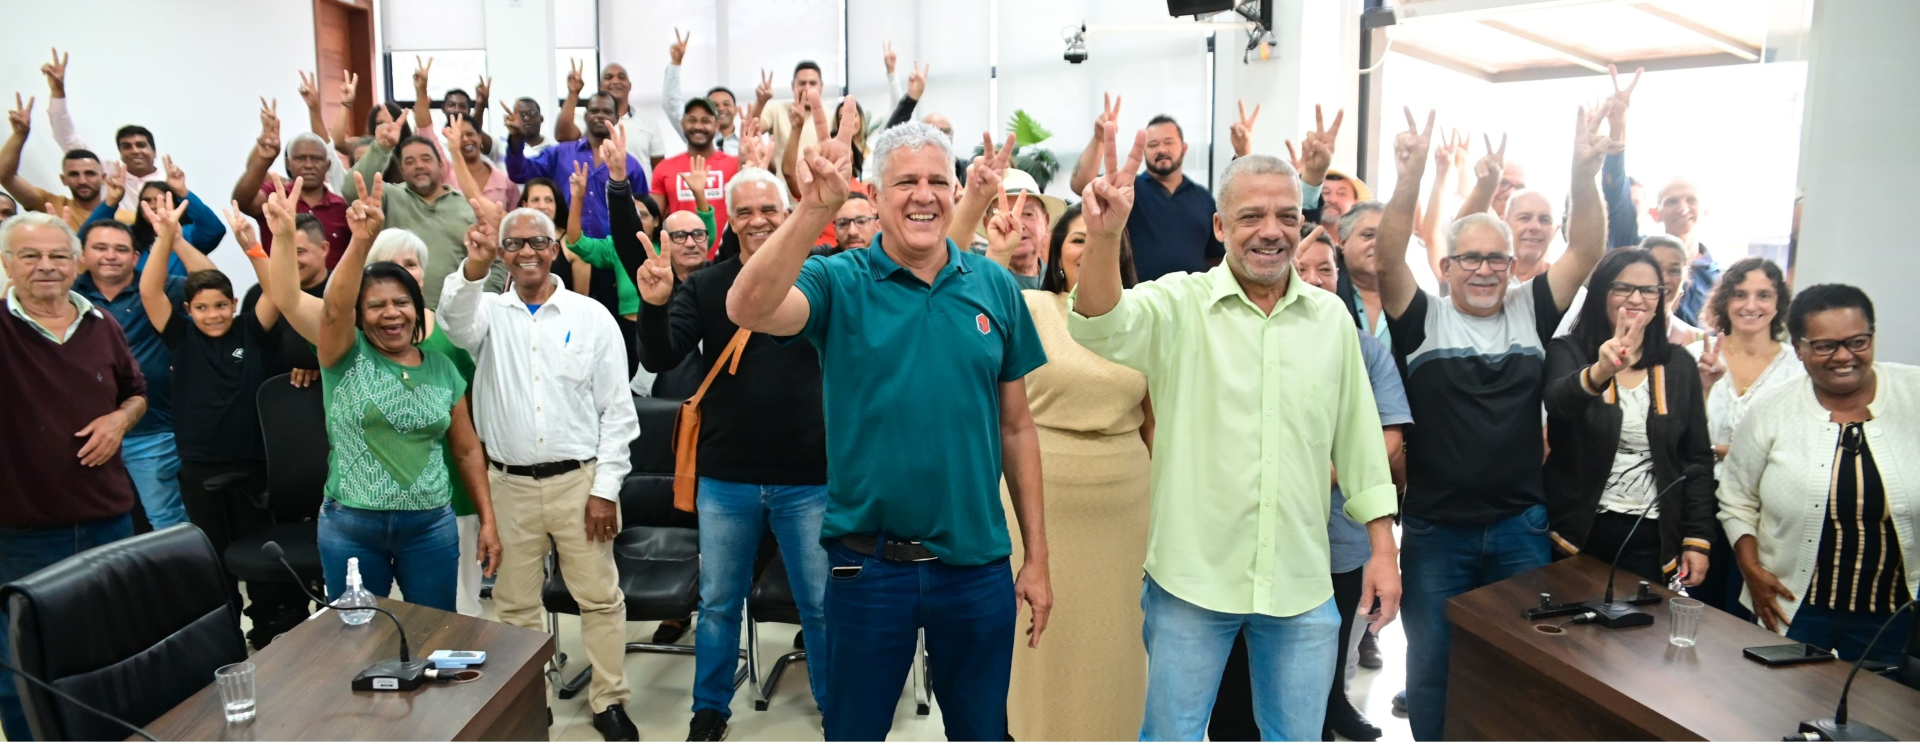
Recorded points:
(236, 691)
(1684, 620)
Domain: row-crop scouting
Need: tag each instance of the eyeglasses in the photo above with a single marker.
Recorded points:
(1624, 290)
(853, 222)
(685, 236)
(1827, 347)
(1472, 262)
(537, 243)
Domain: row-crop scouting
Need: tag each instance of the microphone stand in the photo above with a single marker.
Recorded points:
(1622, 614)
(393, 674)
(1838, 729)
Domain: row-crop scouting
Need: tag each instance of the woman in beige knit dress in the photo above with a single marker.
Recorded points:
(1088, 679)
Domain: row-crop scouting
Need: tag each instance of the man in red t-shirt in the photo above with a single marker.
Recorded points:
(671, 190)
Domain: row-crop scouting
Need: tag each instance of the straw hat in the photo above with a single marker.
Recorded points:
(1016, 181)
(1360, 191)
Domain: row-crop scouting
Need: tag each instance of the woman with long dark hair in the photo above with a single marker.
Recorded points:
(1626, 418)
(392, 409)
(1096, 428)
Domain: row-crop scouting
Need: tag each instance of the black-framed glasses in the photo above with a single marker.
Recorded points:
(1827, 347)
(1473, 262)
(537, 243)
(697, 235)
(849, 222)
(1623, 290)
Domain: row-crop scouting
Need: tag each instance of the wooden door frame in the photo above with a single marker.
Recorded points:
(365, 94)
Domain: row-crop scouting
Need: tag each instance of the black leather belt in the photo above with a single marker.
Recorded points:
(891, 550)
(541, 470)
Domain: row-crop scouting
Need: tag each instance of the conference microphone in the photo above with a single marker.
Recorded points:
(1622, 615)
(1838, 729)
(397, 674)
(84, 705)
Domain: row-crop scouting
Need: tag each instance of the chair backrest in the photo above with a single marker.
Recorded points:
(646, 497)
(293, 421)
(133, 628)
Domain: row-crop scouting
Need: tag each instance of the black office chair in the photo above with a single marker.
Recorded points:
(133, 628)
(293, 422)
(657, 553)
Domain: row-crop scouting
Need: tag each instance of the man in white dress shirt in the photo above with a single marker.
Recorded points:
(551, 402)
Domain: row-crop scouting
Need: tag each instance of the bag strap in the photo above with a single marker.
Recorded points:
(729, 357)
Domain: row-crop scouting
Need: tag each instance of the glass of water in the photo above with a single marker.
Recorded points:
(236, 691)
(1684, 620)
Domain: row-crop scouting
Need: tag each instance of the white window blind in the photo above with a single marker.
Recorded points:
(420, 25)
(575, 24)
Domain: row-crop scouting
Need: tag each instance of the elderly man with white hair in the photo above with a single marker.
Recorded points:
(552, 405)
(66, 369)
(309, 161)
(924, 349)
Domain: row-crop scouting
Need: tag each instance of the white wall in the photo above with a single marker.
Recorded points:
(1860, 166)
(192, 72)
(520, 54)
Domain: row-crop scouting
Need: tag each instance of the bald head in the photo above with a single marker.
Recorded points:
(689, 251)
(1679, 208)
(1530, 218)
(940, 122)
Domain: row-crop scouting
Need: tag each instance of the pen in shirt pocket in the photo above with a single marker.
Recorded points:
(568, 340)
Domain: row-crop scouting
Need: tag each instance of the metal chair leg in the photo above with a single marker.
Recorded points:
(760, 696)
(580, 681)
(922, 679)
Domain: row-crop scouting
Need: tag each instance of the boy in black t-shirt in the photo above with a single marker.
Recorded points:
(218, 368)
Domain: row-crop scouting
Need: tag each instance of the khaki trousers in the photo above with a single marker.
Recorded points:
(529, 512)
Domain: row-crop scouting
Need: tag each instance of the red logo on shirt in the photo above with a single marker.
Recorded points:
(986, 327)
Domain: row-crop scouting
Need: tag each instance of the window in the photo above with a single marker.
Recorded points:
(452, 68)
(451, 32)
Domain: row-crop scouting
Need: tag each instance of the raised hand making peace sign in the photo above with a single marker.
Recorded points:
(1241, 132)
(1108, 199)
(678, 51)
(1003, 229)
(1410, 148)
(1316, 148)
(1617, 115)
(1623, 350)
(987, 167)
(654, 278)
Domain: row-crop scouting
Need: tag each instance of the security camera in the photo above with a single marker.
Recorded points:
(1076, 44)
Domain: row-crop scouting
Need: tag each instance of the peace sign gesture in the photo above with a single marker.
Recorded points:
(917, 81)
(1410, 148)
(1589, 146)
(420, 72)
(654, 278)
(1495, 162)
(1617, 116)
(21, 117)
(576, 77)
(1623, 349)
(510, 120)
(280, 206)
(678, 50)
(987, 168)
(310, 89)
(1445, 152)
(56, 72)
(1316, 148)
(613, 151)
(763, 92)
(1110, 112)
(166, 219)
(886, 47)
(243, 232)
(1003, 230)
(1241, 132)
(1109, 198)
(1711, 371)
(349, 86)
(822, 182)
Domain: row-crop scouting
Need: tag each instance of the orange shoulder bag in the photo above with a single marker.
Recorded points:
(686, 425)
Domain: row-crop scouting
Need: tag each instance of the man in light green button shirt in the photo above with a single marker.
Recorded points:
(1257, 385)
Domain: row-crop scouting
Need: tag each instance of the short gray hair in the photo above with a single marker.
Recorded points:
(1514, 197)
(1251, 165)
(913, 136)
(539, 219)
(1662, 240)
(308, 137)
(1484, 220)
(760, 176)
(34, 219)
(1353, 215)
(395, 241)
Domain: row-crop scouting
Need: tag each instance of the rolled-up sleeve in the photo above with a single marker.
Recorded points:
(1359, 452)
(461, 314)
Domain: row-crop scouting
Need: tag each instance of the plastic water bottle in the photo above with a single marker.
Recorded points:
(356, 595)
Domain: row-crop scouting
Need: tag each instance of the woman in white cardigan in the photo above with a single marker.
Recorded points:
(1819, 490)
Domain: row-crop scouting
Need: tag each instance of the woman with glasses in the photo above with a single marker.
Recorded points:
(1819, 489)
(1625, 418)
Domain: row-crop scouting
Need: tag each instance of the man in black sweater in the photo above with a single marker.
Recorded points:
(762, 450)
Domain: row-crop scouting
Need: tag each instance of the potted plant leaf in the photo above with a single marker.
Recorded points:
(1028, 156)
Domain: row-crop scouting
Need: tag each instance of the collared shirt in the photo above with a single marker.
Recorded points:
(80, 302)
(441, 222)
(496, 186)
(549, 385)
(911, 373)
(1250, 408)
(69, 138)
(332, 214)
(674, 103)
(556, 163)
(151, 351)
(1171, 232)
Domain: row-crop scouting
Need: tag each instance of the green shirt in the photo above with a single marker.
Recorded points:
(599, 253)
(911, 375)
(441, 222)
(1249, 409)
(463, 362)
(388, 424)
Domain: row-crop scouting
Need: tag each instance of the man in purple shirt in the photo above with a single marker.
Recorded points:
(557, 162)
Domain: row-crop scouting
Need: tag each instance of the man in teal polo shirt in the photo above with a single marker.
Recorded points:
(923, 350)
(1258, 385)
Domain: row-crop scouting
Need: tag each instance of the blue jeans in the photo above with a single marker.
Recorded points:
(154, 464)
(1437, 562)
(419, 548)
(1291, 660)
(1849, 632)
(732, 517)
(24, 551)
(875, 611)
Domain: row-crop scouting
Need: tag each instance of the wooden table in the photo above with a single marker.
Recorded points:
(303, 683)
(1508, 681)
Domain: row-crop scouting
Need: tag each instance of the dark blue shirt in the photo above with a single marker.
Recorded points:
(1702, 274)
(148, 348)
(1171, 232)
(911, 374)
(557, 161)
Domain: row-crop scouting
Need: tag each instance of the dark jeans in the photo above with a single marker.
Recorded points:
(419, 549)
(24, 551)
(875, 611)
(1847, 633)
(277, 606)
(1437, 562)
(1233, 709)
(1641, 555)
